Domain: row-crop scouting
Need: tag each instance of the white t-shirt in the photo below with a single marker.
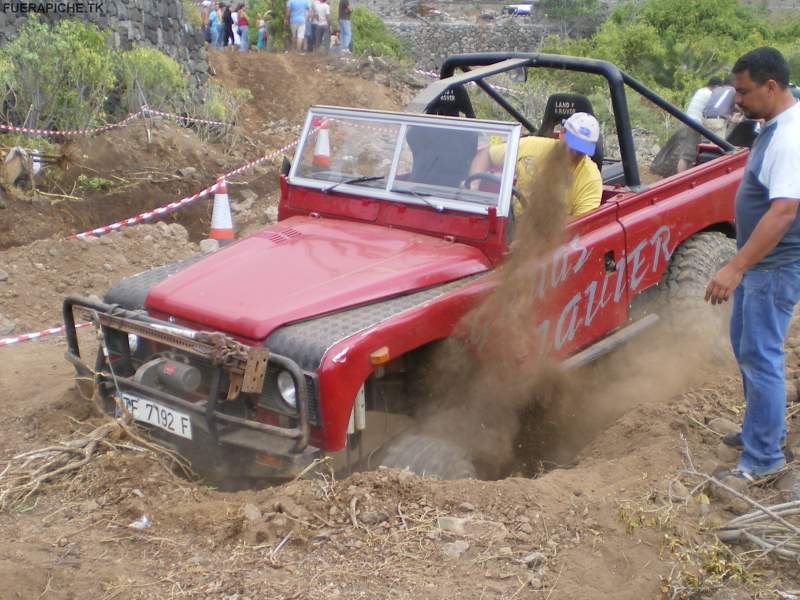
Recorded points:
(698, 103)
(322, 11)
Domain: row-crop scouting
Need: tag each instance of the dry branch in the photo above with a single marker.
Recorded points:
(24, 474)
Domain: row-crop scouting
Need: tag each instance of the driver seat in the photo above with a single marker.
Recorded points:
(561, 107)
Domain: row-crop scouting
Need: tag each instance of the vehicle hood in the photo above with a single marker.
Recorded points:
(306, 267)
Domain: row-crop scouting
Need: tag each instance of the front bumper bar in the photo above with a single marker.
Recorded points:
(278, 451)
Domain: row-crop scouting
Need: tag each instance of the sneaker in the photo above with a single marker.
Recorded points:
(734, 440)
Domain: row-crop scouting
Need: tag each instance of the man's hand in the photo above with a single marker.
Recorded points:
(721, 286)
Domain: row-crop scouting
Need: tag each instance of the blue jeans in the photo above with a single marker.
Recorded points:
(244, 39)
(762, 308)
(347, 34)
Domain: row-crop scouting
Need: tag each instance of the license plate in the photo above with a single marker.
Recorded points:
(148, 411)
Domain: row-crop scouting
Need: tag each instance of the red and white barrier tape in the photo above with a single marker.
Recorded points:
(432, 75)
(70, 132)
(26, 337)
(173, 206)
(92, 130)
(184, 118)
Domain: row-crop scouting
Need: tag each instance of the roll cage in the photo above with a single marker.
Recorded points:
(475, 68)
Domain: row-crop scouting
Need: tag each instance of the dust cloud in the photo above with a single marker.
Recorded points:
(516, 411)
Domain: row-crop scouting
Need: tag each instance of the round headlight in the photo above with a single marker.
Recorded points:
(133, 342)
(287, 388)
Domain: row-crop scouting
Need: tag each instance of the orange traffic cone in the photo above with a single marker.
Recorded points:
(322, 149)
(221, 222)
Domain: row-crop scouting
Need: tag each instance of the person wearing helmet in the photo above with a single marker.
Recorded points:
(580, 134)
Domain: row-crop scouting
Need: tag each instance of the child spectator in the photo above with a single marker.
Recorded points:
(262, 33)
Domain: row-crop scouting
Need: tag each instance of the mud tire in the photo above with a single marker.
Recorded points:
(428, 456)
(683, 286)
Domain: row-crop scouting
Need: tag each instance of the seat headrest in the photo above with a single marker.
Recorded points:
(560, 107)
(453, 102)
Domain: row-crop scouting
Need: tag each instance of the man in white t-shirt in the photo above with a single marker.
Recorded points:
(695, 110)
(763, 277)
(322, 24)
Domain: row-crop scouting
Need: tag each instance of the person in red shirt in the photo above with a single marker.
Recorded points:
(244, 29)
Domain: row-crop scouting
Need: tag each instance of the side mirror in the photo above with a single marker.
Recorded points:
(286, 166)
(519, 75)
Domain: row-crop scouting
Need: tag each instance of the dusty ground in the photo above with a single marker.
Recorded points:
(598, 521)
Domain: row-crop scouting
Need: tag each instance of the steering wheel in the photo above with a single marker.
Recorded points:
(491, 177)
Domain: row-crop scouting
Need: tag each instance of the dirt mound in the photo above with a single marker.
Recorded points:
(149, 164)
(40, 274)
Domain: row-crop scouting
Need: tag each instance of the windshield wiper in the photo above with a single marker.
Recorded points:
(361, 179)
(422, 196)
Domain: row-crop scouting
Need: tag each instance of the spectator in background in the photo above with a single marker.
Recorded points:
(311, 28)
(345, 29)
(296, 14)
(227, 23)
(322, 25)
(213, 23)
(695, 111)
(244, 29)
(261, 43)
(719, 108)
(235, 26)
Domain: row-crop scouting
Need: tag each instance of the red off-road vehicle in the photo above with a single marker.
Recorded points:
(301, 340)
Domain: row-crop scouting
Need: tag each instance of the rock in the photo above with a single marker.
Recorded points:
(505, 551)
(533, 560)
(248, 196)
(54, 251)
(108, 267)
(242, 206)
(455, 549)
(789, 485)
(3, 275)
(535, 582)
(452, 525)
(188, 172)
(6, 326)
(466, 507)
(526, 528)
(208, 246)
(272, 214)
(148, 239)
(723, 425)
(726, 454)
(60, 287)
(39, 266)
(679, 491)
(179, 232)
(251, 512)
(372, 517)
(163, 228)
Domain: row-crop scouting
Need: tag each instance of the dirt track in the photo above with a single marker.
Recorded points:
(600, 524)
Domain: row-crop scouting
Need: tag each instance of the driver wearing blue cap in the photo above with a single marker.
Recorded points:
(580, 134)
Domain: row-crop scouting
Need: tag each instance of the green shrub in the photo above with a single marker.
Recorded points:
(150, 73)
(192, 13)
(370, 36)
(674, 46)
(217, 103)
(57, 77)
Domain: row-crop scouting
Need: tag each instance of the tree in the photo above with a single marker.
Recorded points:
(568, 12)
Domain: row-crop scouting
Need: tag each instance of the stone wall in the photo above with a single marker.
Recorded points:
(430, 43)
(158, 23)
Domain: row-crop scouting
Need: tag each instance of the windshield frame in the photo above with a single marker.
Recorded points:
(512, 132)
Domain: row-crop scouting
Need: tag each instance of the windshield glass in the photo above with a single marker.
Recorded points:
(418, 159)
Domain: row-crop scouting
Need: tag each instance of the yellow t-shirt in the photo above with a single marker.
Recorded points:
(587, 184)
